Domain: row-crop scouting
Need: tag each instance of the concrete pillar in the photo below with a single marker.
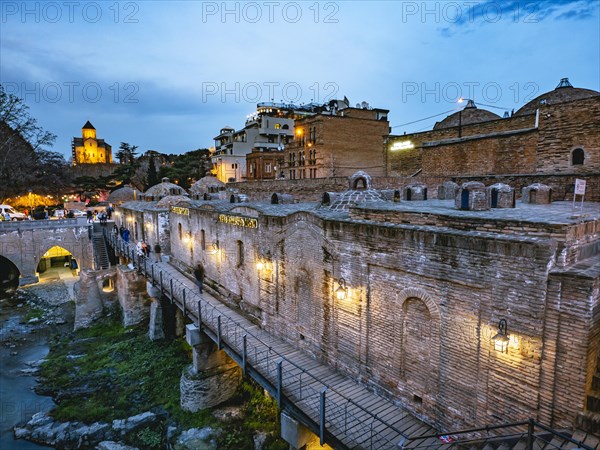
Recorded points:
(155, 327)
(179, 323)
(88, 299)
(213, 376)
(133, 296)
(298, 436)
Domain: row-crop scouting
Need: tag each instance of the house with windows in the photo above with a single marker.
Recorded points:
(337, 141)
(262, 139)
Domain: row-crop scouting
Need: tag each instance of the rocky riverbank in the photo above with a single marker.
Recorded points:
(116, 389)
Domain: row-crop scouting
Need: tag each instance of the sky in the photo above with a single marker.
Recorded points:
(168, 75)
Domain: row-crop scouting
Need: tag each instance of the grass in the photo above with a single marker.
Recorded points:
(33, 313)
(108, 372)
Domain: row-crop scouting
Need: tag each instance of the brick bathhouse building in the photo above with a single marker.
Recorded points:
(424, 286)
(553, 139)
(406, 294)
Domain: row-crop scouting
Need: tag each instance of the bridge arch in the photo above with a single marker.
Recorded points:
(9, 274)
(57, 259)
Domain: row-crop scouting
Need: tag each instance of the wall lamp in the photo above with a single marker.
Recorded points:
(262, 261)
(501, 339)
(342, 291)
(214, 248)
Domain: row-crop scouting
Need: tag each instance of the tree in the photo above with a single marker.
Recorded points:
(127, 153)
(127, 157)
(22, 153)
(151, 176)
(187, 168)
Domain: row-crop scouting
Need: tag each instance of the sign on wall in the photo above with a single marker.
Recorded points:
(179, 210)
(238, 221)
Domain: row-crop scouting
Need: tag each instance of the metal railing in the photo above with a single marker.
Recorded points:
(338, 420)
(527, 435)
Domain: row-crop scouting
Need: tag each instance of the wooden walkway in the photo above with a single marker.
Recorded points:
(344, 413)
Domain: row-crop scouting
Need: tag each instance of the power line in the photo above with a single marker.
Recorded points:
(421, 120)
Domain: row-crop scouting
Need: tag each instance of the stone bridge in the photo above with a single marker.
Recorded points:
(24, 243)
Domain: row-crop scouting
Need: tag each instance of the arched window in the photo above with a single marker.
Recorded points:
(577, 157)
(202, 239)
(179, 231)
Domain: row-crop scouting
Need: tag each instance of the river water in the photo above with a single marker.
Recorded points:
(20, 346)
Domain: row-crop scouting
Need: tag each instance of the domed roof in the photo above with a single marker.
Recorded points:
(206, 184)
(124, 194)
(353, 197)
(468, 115)
(171, 200)
(163, 189)
(564, 92)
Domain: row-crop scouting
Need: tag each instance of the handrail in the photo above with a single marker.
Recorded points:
(357, 424)
(531, 424)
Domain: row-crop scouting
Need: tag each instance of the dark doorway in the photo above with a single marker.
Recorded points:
(464, 199)
(494, 198)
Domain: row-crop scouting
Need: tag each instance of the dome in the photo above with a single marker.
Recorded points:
(208, 184)
(124, 194)
(564, 92)
(353, 197)
(468, 115)
(171, 200)
(163, 189)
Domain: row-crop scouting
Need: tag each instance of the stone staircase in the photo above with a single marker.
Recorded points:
(101, 258)
(511, 439)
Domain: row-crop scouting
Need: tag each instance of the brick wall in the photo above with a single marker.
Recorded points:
(421, 308)
(507, 146)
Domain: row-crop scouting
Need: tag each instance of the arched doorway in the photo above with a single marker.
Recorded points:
(9, 276)
(57, 263)
(416, 345)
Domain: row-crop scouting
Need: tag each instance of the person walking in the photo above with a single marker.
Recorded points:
(199, 274)
(157, 251)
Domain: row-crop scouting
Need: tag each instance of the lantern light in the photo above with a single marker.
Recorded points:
(342, 290)
(501, 339)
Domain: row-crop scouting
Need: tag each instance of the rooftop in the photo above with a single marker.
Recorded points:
(556, 213)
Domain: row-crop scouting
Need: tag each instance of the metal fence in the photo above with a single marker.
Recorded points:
(337, 419)
(526, 435)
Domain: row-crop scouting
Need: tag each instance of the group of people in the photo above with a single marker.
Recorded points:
(103, 216)
(142, 248)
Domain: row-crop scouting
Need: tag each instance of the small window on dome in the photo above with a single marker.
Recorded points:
(577, 157)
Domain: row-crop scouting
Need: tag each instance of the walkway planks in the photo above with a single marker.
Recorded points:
(351, 409)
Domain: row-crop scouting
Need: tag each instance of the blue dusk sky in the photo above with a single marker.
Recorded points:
(167, 75)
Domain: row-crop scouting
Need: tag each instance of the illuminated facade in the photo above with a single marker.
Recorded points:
(466, 318)
(88, 149)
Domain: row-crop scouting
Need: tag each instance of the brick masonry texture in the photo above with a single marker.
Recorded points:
(425, 295)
